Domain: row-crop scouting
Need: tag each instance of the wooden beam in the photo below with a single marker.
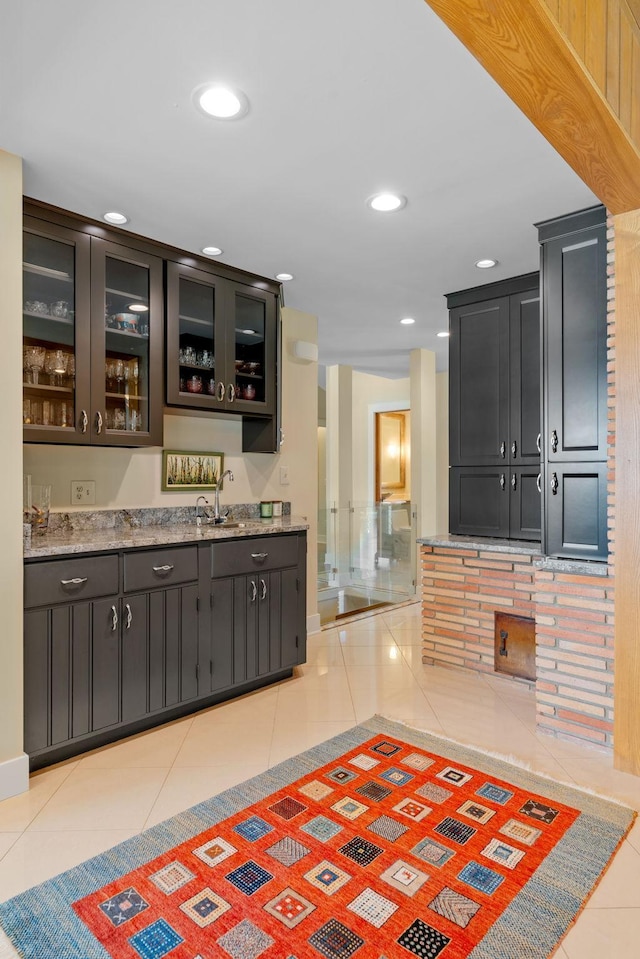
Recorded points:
(627, 486)
(523, 48)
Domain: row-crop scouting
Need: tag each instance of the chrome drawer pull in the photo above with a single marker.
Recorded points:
(76, 581)
(259, 555)
(254, 591)
(114, 619)
(161, 569)
(84, 421)
(129, 616)
(98, 422)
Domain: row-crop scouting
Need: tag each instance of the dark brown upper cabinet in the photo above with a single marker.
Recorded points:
(93, 326)
(221, 343)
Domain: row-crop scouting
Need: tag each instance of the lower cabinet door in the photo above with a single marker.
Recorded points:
(37, 702)
(173, 646)
(104, 667)
(576, 510)
(479, 500)
(525, 503)
(222, 633)
(135, 657)
(289, 619)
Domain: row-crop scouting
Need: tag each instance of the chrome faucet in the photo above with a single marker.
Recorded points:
(217, 518)
(199, 515)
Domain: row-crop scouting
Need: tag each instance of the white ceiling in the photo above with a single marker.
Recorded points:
(347, 97)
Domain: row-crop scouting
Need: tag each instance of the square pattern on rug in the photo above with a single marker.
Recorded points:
(310, 871)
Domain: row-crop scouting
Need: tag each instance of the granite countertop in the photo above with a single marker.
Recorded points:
(487, 544)
(66, 542)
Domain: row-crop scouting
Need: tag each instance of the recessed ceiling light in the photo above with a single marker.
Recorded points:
(114, 217)
(220, 101)
(249, 332)
(443, 333)
(137, 308)
(211, 250)
(486, 264)
(284, 277)
(408, 321)
(387, 202)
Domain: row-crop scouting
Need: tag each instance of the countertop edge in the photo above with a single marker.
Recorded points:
(486, 545)
(111, 540)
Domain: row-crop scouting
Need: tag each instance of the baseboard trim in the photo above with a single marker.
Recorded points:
(313, 623)
(14, 776)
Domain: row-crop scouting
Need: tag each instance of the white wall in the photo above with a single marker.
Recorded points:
(14, 768)
(371, 393)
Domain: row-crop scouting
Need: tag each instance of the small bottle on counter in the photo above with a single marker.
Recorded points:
(266, 509)
(277, 507)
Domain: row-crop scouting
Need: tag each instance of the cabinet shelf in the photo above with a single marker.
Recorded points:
(129, 333)
(196, 320)
(66, 320)
(129, 397)
(195, 366)
(249, 376)
(45, 388)
(126, 295)
(38, 270)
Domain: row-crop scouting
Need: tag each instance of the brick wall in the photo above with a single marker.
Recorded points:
(573, 607)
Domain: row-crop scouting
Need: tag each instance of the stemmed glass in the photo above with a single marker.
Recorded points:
(131, 377)
(34, 361)
(55, 365)
(118, 369)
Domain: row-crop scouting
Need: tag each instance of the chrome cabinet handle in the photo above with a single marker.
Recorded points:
(114, 619)
(231, 393)
(514, 448)
(539, 482)
(98, 422)
(161, 569)
(503, 481)
(503, 449)
(84, 421)
(259, 556)
(281, 436)
(514, 481)
(538, 442)
(263, 592)
(554, 484)
(554, 441)
(254, 591)
(129, 616)
(76, 581)
(220, 391)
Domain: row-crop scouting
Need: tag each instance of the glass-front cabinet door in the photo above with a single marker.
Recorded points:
(56, 304)
(195, 338)
(126, 346)
(251, 349)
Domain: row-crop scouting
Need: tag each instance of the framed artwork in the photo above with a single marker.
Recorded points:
(182, 470)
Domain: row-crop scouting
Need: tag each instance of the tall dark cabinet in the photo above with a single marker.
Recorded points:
(494, 409)
(574, 285)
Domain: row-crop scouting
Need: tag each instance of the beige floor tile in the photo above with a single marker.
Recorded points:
(605, 934)
(289, 739)
(16, 813)
(407, 637)
(210, 744)
(184, 788)
(381, 677)
(155, 748)
(633, 837)
(6, 949)
(404, 705)
(365, 637)
(7, 840)
(387, 655)
(313, 706)
(91, 799)
(326, 637)
(331, 679)
(258, 706)
(325, 655)
(39, 856)
(620, 885)
(412, 655)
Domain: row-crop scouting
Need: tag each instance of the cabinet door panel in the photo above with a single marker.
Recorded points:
(82, 623)
(251, 349)
(479, 383)
(479, 501)
(135, 657)
(525, 517)
(240, 627)
(289, 620)
(105, 667)
(36, 680)
(576, 513)
(268, 597)
(251, 635)
(575, 308)
(161, 693)
(188, 598)
(61, 670)
(524, 405)
(222, 630)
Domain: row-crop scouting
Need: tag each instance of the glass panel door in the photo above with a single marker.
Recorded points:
(196, 338)
(49, 347)
(250, 352)
(126, 361)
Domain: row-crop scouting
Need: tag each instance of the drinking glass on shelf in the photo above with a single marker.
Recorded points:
(131, 373)
(118, 368)
(110, 375)
(55, 365)
(71, 368)
(34, 361)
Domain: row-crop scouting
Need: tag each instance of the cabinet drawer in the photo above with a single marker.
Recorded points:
(158, 567)
(249, 555)
(65, 580)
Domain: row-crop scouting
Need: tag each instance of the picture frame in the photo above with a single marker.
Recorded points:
(187, 470)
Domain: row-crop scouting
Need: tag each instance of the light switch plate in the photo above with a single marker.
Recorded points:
(284, 476)
(83, 492)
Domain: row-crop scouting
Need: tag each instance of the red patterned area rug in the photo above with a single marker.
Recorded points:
(383, 843)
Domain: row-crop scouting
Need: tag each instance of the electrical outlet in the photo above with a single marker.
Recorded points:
(83, 492)
(284, 476)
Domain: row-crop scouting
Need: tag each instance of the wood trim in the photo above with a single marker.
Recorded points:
(524, 49)
(627, 537)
